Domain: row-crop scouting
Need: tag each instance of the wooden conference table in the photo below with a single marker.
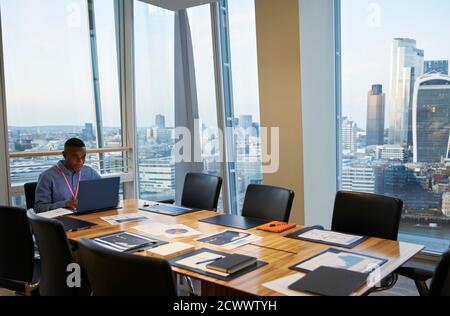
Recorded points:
(280, 253)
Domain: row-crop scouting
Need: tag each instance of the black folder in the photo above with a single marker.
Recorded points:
(330, 281)
(234, 221)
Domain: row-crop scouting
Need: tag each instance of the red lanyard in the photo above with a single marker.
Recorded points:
(75, 195)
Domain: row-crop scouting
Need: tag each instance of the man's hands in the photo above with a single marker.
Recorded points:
(72, 204)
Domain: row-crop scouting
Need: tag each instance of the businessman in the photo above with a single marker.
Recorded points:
(58, 186)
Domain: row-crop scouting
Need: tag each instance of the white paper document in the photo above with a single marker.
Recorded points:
(200, 261)
(56, 213)
(343, 260)
(281, 285)
(229, 239)
(126, 218)
(330, 237)
(168, 231)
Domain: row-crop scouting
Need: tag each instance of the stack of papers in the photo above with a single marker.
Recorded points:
(56, 213)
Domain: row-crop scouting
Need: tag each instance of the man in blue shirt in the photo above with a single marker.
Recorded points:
(58, 186)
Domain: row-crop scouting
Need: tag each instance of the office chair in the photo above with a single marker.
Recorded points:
(56, 255)
(440, 284)
(267, 202)
(200, 191)
(30, 194)
(367, 215)
(113, 273)
(19, 271)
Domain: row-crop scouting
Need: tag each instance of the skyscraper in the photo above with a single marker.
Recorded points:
(160, 121)
(407, 63)
(375, 116)
(431, 118)
(436, 66)
(349, 135)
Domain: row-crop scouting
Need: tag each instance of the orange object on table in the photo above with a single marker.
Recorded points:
(276, 227)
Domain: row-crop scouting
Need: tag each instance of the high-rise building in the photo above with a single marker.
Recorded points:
(88, 132)
(407, 63)
(393, 153)
(446, 204)
(436, 66)
(375, 116)
(349, 135)
(160, 121)
(358, 177)
(431, 114)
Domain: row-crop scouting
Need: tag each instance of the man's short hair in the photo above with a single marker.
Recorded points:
(74, 143)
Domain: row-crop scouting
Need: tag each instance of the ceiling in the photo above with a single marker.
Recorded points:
(175, 5)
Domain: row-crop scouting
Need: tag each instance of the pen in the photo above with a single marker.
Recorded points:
(210, 260)
(141, 246)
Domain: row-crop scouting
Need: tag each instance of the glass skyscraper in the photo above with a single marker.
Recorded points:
(431, 128)
(407, 64)
(375, 116)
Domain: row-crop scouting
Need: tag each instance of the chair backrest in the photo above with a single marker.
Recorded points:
(267, 202)
(55, 253)
(30, 194)
(367, 214)
(201, 191)
(113, 273)
(440, 284)
(16, 245)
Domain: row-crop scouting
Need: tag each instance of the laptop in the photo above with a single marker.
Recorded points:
(98, 195)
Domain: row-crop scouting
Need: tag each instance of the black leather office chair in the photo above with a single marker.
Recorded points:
(30, 194)
(113, 273)
(55, 254)
(267, 202)
(440, 284)
(19, 271)
(367, 215)
(201, 191)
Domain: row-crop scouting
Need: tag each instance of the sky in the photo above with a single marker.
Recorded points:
(48, 62)
(368, 28)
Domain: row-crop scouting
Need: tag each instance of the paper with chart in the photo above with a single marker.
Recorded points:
(201, 260)
(56, 213)
(341, 259)
(126, 218)
(326, 236)
(169, 231)
(229, 239)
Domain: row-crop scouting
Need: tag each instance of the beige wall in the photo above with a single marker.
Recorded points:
(278, 36)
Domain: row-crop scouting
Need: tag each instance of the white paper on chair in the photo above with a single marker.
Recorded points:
(281, 285)
(56, 213)
(168, 231)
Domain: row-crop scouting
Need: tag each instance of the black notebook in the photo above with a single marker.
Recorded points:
(330, 281)
(232, 263)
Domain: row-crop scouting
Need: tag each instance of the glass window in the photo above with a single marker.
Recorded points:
(396, 111)
(49, 72)
(244, 69)
(155, 100)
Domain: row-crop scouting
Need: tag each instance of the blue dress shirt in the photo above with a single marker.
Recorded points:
(52, 191)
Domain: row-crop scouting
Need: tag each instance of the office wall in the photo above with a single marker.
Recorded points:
(277, 27)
